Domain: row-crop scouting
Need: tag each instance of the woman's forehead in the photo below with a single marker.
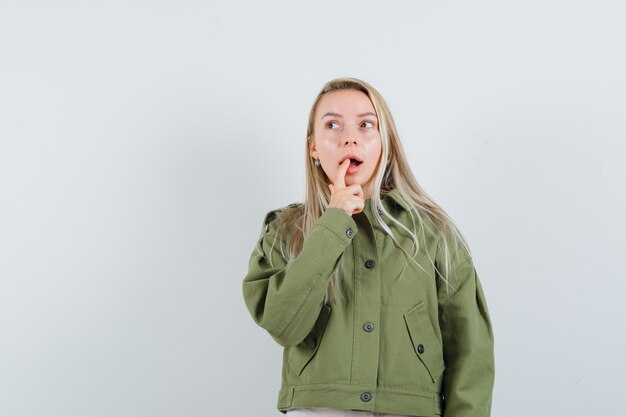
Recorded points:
(345, 103)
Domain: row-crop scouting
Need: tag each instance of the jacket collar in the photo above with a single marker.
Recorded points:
(394, 194)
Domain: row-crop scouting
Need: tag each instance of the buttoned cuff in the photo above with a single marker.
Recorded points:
(339, 222)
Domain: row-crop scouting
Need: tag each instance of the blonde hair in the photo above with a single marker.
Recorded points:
(295, 221)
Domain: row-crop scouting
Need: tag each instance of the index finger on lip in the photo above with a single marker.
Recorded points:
(340, 180)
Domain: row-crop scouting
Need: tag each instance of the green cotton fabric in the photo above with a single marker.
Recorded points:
(399, 341)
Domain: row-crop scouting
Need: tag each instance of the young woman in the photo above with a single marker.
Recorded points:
(368, 285)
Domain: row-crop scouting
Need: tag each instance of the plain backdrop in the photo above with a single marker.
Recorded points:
(142, 142)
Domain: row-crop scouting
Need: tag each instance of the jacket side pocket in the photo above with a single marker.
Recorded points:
(426, 345)
(301, 354)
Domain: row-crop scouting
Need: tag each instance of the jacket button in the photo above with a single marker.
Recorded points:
(349, 232)
(420, 348)
(368, 327)
(370, 263)
(366, 396)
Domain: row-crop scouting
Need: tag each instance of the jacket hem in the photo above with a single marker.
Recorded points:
(381, 400)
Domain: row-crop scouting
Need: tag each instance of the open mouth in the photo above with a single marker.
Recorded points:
(354, 167)
(355, 162)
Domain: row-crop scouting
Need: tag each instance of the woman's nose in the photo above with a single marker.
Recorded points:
(350, 135)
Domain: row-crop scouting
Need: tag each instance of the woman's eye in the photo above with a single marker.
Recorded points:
(370, 123)
(330, 124)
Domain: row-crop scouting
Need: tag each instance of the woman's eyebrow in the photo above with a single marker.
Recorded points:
(338, 115)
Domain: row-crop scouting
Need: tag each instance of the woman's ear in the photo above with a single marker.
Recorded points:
(312, 149)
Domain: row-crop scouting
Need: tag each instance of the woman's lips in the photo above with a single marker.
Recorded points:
(354, 167)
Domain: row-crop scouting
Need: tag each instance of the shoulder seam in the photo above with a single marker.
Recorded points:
(272, 214)
(269, 217)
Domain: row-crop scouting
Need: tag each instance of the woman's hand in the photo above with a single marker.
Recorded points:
(350, 198)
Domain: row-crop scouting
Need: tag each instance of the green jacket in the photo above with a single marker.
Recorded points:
(399, 343)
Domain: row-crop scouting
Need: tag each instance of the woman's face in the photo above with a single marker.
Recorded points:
(346, 124)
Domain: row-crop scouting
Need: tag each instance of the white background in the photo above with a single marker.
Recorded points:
(143, 141)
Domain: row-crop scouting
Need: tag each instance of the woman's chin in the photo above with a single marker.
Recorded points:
(355, 180)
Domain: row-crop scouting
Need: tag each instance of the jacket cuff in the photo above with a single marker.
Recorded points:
(339, 222)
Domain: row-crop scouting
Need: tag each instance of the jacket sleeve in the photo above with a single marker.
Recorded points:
(468, 344)
(286, 297)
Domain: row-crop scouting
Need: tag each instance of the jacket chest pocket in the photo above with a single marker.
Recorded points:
(303, 353)
(425, 343)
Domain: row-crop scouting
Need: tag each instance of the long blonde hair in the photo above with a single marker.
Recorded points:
(295, 221)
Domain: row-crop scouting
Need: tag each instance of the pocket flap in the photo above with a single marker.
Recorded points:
(426, 345)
